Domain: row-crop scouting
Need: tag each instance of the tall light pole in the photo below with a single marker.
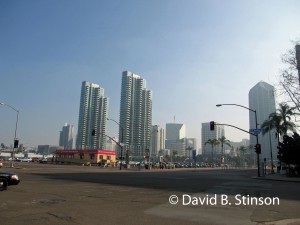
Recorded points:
(15, 137)
(122, 146)
(256, 124)
(272, 168)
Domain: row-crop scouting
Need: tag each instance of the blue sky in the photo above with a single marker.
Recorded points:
(193, 54)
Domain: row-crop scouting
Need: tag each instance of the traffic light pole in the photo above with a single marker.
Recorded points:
(224, 124)
(256, 135)
(94, 133)
(252, 110)
(257, 152)
(122, 130)
(16, 141)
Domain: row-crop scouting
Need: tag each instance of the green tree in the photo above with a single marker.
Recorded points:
(160, 152)
(242, 150)
(174, 153)
(223, 141)
(251, 150)
(280, 121)
(289, 150)
(212, 142)
(286, 112)
(167, 158)
(273, 122)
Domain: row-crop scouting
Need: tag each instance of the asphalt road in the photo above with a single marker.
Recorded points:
(64, 194)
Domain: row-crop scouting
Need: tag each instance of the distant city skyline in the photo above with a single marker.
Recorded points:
(66, 136)
(193, 54)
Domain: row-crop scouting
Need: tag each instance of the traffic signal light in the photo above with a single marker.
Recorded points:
(94, 132)
(258, 148)
(212, 125)
(16, 143)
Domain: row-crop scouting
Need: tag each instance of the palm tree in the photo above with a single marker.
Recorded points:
(280, 121)
(273, 122)
(223, 141)
(286, 112)
(174, 153)
(243, 149)
(212, 142)
(160, 152)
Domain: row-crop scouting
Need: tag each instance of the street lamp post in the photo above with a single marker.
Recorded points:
(256, 124)
(122, 146)
(272, 168)
(15, 137)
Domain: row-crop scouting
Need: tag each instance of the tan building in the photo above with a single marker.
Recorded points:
(86, 157)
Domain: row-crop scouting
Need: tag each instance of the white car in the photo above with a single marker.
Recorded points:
(25, 160)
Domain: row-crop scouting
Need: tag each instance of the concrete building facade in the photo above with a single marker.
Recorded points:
(66, 136)
(175, 138)
(262, 99)
(92, 116)
(158, 139)
(135, 114)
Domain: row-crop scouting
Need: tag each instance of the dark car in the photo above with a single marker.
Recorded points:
(7, 179)
(44, 160)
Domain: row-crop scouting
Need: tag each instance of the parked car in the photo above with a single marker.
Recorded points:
(13, 159)
(35, 159)
(24, 160)
(7, 179)
(44, 160)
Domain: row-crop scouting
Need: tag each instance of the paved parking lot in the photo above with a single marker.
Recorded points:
(64, 194)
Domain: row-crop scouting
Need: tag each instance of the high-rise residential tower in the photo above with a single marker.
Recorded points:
(158, 139)
(92, 116)
(66, 136)
(135, 114)
(262, 99)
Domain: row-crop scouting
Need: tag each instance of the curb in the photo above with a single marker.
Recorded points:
(287, 179)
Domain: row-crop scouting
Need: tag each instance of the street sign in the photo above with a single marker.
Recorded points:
(256, 131)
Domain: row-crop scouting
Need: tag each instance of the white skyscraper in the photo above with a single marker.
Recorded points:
(175, 138)
(207, 134)
(158, 139)
(66, 136)
(92, 116)
(262, 99)
(135, 114)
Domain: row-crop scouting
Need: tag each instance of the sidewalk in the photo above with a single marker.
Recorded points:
(278, 177)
